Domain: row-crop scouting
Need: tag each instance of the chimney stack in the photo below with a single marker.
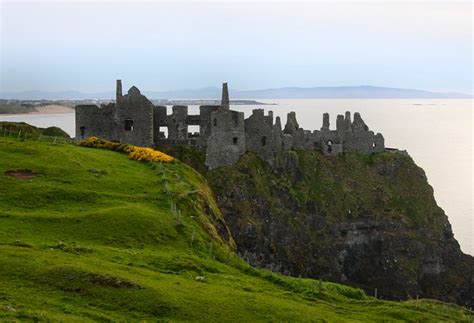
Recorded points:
(225, 97)
(118, 92)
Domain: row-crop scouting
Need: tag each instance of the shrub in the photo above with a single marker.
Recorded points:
(141, 153)
(54, 132)
(349, 292)
(134, 152)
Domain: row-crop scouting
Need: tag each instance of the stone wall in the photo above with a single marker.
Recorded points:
(135, 119)
(130, 119)
(226, 142)
(205, 112)
(177, 123)
(259, 135)
(92, 120)
(159, 119)
(222, 132)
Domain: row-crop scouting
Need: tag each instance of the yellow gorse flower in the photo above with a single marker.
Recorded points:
(134, 152)
(141, 153)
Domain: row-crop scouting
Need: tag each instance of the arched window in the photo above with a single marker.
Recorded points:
(264, 141)
(329, 144)
(215, 122)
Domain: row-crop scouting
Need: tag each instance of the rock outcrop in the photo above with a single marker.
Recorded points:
(367, 221)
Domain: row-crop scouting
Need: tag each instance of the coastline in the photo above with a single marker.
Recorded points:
(52, 109)
(44, 110)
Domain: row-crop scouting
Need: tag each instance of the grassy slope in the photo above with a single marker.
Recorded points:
(24, 130)
(93, 238)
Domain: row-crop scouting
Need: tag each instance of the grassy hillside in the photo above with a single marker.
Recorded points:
(89, 235)
(22, 130)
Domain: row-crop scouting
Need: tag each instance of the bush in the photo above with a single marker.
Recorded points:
(349, 292)
(134, 152)
(54, 132)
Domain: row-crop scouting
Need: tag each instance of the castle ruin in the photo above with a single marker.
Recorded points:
(224, 133)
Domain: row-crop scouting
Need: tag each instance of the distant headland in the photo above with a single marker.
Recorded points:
(213, 93)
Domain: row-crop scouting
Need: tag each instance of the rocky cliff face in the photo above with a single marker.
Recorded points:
(367, 221)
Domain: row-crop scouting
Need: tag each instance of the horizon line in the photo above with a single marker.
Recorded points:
(457, 92)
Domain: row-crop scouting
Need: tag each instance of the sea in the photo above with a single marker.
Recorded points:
(437, 134)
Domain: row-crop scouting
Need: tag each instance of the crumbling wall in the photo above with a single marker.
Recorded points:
(177, 123)
(259, 135)
(277, 135)
(330, 143)
(291, 124)
(92, 120)
(205, 124)
(226, 142)
(379, 143)
(159, 120)
(224, 132)
(135, 119)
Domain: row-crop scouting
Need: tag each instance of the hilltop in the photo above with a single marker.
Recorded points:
(91, 235)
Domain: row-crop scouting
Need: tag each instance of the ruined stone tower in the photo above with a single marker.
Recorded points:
(224, 134)
(226, 142)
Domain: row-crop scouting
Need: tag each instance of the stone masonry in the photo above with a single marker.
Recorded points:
(223, 133)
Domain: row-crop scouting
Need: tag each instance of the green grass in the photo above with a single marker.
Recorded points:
(22, 130)
(94, 238)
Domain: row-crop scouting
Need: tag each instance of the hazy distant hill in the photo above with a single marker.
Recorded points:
(342, 92)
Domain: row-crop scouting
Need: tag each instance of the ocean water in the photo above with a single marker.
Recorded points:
(438, 135)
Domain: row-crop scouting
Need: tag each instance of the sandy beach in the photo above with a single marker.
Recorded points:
(52, 109)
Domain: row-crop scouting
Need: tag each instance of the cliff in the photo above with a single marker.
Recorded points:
(87, 234)
(367, 221)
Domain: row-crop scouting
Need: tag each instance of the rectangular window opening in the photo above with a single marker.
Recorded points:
(128, 125)
(83, 132)
(193, 131)
(163, 132)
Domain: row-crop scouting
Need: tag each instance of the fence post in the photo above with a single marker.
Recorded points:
(192, 236)
(375, 292)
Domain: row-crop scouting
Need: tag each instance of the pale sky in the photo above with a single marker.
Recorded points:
(85, 46)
